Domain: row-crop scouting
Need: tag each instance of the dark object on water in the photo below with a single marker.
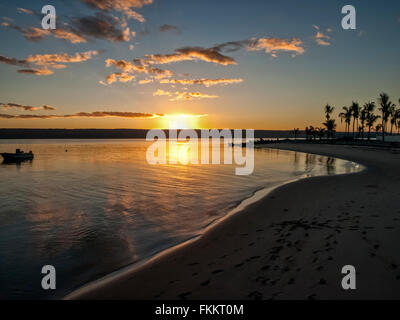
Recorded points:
(18, 156)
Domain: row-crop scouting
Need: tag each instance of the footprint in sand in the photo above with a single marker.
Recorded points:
(193, 264)
(205, 283)
(255, 295)
(312, 296)
(252, 258)
(173, 281)
(217, 271)
(184, 295)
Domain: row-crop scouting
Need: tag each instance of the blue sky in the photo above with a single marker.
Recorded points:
(278, 90)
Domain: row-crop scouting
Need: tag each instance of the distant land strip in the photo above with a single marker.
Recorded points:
(8, 133)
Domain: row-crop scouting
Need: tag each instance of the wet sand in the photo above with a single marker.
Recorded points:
(292, 244)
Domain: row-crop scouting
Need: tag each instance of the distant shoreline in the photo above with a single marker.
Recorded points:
(26, 133)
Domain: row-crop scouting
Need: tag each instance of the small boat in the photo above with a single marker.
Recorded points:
(18, 156)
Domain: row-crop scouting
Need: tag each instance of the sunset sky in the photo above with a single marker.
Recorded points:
(229, 63)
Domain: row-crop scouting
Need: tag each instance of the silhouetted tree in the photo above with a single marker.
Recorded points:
(378, 128)
(355, 112)
(320, 133)
(394, 117)
(330, 128)
(386, 107)
(295, 132)
(345, 116)
(363, 119)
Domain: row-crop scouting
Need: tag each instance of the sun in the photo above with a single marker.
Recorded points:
(181, 121)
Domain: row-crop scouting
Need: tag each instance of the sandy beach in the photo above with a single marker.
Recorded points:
(292, 244)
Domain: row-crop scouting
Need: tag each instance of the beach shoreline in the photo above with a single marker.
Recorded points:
(295, 251)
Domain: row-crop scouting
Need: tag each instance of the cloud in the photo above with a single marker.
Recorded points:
(146, 81)
(118, 76)
(131, 68)
(123, 6)
(41, 64)
(271, 45)
(49, 59)
(161, 92)
(13, 61)
(187, 96)
(321, 38)
(10, 105)
(37, 72)
(27, 11)
(96, 114)
(179, 95)
(274, 45)
(102, 26)
(37, 34)
(205, 82)
(168, 27)
(68, 35)
(190, 54)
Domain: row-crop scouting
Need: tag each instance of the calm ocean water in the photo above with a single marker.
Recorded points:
(100, 206)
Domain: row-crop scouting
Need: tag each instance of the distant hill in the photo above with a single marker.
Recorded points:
(113, 134)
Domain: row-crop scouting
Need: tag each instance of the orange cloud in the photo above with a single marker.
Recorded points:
(45, 59)
(190, 54)
(36, 34)
(124, 6)
(37, 72)
(23, 10)
(118, 76)
(187, 96)
(130, 68)
(321, 38)
(96, 114)
(41, 64)
(179, 96)
(68, 35)
(161, 92)
(9, 105)
(205, 82)
(274, 45)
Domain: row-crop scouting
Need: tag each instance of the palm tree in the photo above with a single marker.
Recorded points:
(313, 132)
(295, 132)
(320, 133)
(330, 127)
(369, 108)
(378, 128)
(345, 116)
(328, 111)
(395, 114)
(363, 119)
(386, 107)
(355, 111)
(371, 119)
